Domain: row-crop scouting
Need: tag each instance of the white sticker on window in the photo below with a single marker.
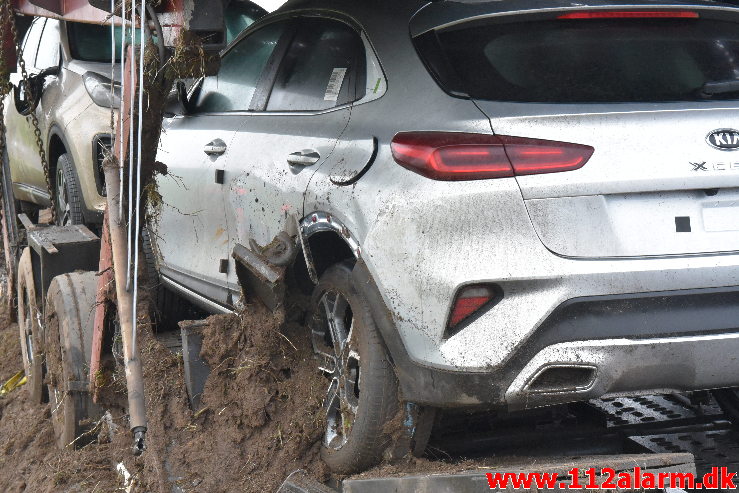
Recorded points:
(334, 84)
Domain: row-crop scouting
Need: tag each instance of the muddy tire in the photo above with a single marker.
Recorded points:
(362, 396)
(70, 317)
(31, 335)
(68, 196)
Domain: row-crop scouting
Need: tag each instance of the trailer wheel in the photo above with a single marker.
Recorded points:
(70, 310)
(32, 339)
(68, 195)
(362, 389)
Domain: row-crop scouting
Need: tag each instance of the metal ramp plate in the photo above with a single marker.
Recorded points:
(476, 481)
(624, 411)
(718, 448)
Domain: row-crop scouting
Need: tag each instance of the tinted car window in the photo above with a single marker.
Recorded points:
(91, 42)
(239, 15)
(324, 67)
(572, 60)
(48, 49)
(30, 44)
(234, 85)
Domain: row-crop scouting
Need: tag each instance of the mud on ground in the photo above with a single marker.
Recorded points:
(260, 418)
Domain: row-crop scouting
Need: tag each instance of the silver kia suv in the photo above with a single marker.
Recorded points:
(496, 204)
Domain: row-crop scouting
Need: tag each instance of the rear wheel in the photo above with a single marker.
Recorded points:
(362, 390)
(29, 318)
(68, 195)
(70, 310)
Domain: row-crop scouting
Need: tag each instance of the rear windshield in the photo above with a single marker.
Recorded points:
(573, 60)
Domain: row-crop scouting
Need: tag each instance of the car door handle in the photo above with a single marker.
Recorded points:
(306, 157)
(215, 148)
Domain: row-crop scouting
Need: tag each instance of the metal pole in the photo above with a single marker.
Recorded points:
(118, 241)
(132, 95)
(121, 157)
(140, 87)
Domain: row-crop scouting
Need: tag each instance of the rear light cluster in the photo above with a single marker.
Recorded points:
(462, 156)
(469, 301)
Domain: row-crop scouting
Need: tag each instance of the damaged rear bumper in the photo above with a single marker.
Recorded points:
(587, 348)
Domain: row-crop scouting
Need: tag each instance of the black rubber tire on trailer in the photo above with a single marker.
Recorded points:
(67, 193)
(70, 315)
(377, 404)
(31, 335)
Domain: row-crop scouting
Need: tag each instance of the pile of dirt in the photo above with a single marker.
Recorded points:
(260, 417)
(260, 413)
(29, 457)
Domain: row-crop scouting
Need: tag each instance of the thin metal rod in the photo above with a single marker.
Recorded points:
(121, 162)
(142, 19)
(130, 149)
(112, 65)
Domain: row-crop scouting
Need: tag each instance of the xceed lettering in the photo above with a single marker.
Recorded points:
(725, 139)
(720, 166)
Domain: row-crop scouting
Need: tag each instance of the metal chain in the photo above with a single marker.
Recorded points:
(10, 19)
(4, 90)
(4, 80)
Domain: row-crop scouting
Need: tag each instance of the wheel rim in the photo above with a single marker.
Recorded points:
(62, 200)
(334, 342)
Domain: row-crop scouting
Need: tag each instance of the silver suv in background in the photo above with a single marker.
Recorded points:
(74, 112)
(493, 204)
(73, 107)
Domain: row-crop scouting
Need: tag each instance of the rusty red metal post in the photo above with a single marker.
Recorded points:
(105, 278)
(118, 243)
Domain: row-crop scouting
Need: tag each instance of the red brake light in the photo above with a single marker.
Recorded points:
(450, 156)
(463, 156)
(641, 14)
(469, 300)
(532, 156)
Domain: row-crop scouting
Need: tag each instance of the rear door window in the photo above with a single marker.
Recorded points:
(584, 60)
(233, 87)
(324, 67)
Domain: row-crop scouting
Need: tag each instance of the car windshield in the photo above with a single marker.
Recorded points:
(569, 60)
(91, 42)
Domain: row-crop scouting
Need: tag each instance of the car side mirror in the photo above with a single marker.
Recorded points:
(27, 93)
(177, 102)
(26, 96)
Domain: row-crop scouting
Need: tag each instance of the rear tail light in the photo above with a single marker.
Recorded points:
(462, 156)
(638, 14)
(469, 301)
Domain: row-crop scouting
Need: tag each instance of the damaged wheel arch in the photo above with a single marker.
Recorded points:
(306, 247)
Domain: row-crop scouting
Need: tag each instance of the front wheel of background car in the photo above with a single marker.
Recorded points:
(68, 197)
(362, 389)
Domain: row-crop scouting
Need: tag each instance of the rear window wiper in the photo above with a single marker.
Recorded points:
(716, 87)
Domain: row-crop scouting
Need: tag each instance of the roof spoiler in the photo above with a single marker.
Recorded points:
(440, 14)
